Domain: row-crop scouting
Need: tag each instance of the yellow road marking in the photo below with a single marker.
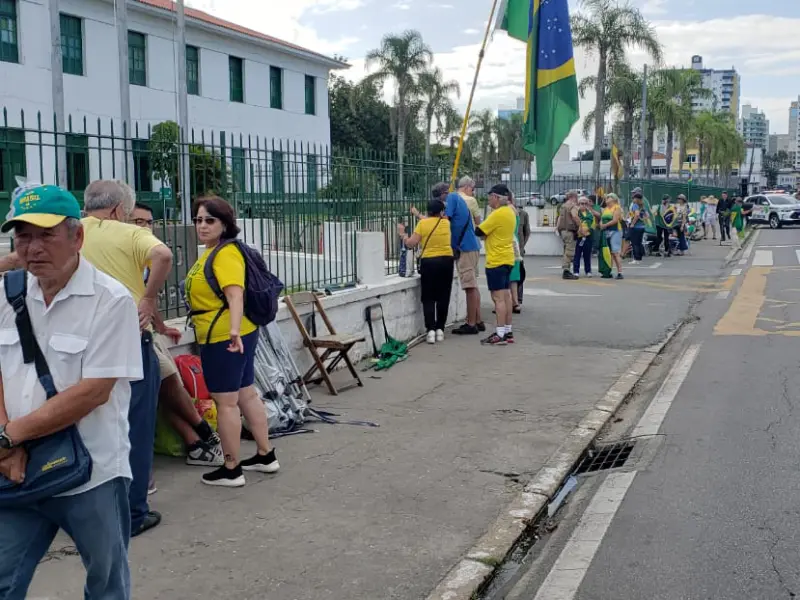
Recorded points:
(741, 317)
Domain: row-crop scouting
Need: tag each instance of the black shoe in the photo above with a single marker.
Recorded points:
(509, 337)
(481, 326)
(263, 463)
(225, 477)
(568, 276)
(517, 310)
(466, 329)
(607, 277)
(151, 519)
(619, 276)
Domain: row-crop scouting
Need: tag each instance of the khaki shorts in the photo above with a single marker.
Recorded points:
(467, 266)
(166, 364)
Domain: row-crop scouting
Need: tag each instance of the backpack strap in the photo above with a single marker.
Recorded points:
(16, 287)
(211, 279)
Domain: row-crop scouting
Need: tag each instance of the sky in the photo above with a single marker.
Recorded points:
(759, 39)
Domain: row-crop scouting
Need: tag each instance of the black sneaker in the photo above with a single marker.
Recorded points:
(568, 276)
(509, 337)
(517, 310)
(619, 276)
(263, 463)
(494, 340)
(225, 477)
(151, 519)
(202, 454)
(481, 326)
(466, 329)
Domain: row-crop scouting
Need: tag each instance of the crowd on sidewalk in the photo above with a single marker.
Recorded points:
(86, 368)
(597, 224)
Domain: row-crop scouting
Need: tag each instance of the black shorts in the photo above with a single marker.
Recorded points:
(498, 278)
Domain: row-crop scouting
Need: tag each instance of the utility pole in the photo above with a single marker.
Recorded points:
(57, 83)
(121, 23)
(183, 118)
(643, 126)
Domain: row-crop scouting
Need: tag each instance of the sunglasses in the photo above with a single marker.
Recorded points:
(206, 220)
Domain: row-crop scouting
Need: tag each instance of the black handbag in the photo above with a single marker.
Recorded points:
(58, 462)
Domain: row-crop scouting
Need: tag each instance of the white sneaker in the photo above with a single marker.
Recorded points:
(439, 335)
(431, 339)
(634, 262)
(588, 274)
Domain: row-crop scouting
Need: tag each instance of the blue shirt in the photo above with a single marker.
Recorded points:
(460, 217)
(642, 215)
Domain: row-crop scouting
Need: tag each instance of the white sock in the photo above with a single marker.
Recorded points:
(500, 331)
(508, 328)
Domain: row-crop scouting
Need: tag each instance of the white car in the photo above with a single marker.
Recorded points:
(775, 209)
(561, 196)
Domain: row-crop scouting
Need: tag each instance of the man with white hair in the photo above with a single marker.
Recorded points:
(466, 189)
(124, 251)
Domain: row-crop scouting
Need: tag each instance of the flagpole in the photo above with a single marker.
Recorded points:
(471, 96)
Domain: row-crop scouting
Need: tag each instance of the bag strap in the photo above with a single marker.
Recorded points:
(464, 231)
(16, 286)
(430, 235)
(211, 279)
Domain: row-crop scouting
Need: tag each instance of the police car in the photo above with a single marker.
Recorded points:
(775, 209)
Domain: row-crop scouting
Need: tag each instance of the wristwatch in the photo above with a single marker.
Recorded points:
(5, 441)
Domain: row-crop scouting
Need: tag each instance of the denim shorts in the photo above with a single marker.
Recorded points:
(614, 239)
(226, 371)
(498, 278)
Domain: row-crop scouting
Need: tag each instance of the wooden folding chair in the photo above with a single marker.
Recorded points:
(334, 346)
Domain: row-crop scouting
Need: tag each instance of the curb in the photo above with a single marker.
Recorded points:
(467, 577)
(730, 256)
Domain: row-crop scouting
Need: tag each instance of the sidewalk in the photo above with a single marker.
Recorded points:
(361, 513)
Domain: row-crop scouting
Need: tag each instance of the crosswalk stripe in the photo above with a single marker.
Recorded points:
(763, 258)
(797, 252)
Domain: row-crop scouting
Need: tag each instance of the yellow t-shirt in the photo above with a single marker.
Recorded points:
(229, 269)
(120, 250)
(439, 244)
(472, 205)
(499, 228)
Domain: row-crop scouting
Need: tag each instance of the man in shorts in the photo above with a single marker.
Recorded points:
(203, 447)
(466, 189)
(498, 229)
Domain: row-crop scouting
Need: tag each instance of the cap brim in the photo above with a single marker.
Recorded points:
(37, 219)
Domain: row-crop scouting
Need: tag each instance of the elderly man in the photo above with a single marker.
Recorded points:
(89, 330)
(567, 227)
(498, 229)
(466, 189)
(124, 251)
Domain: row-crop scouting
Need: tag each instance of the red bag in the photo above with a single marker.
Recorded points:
(191, 373)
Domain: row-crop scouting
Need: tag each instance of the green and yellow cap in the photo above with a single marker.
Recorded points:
(43, 205)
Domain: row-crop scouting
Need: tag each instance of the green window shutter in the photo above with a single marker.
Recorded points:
(277, 173)
(12, 158)
(71, 45)
(236, 69)
(137, 58)
(192, 70)
(238, 171)
(311, 174)
(77, 162)
(9, 48)
(142, 168)
(276, 87)
(311, 95)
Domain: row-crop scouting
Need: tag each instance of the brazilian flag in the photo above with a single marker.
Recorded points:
(551, 86)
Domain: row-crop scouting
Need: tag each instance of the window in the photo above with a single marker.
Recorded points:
(137, 58)
(277, 172)
(238, 171)
(12, 158)
(236, 70)
(192, 70)
(77, 162)
(311, 174)
(9, 51)
(142, 169)
(276, 87)
(311, 95)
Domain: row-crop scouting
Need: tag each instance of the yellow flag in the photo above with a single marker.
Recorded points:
(616, 163)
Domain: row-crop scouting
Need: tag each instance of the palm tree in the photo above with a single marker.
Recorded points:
(608, 29)
(435, 94)
(509, 137)
(483, 126)
(624, 92)
(401, 59)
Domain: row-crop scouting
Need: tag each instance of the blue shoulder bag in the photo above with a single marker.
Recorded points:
(59, 462)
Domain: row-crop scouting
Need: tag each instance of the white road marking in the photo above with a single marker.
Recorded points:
(797, 253)
(783, 246)
(569, 570)
(533, 291)
(763, 258)
(743, 261)
(751, 244)
(723, 295)
(653, 266)
(736, 272)
(627, 266)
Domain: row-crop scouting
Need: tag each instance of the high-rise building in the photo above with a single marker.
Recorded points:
(754, 127)
(506, 113)
(724, 86)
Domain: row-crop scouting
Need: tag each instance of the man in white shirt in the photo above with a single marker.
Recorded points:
(87, 326)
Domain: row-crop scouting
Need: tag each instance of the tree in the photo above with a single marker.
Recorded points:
(483, 126)
(164, 149)
(720, 146)
(435, 93)
(771, 165)
(509, 137)
(400, 59)
(608, 29)
(359, 117)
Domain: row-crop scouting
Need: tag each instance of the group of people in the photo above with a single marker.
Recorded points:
(92, 286)
(725, 217)
(448, 237)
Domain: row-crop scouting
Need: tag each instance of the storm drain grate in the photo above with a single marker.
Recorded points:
(607, 456)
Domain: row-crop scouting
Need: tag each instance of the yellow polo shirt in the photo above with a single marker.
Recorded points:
(499, 228)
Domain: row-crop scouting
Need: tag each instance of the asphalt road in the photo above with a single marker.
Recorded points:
(714, 513)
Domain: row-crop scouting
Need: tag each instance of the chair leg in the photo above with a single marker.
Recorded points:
(351, 367)
(319, 365)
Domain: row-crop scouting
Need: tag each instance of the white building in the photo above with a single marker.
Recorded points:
(754, 127)
(725, 86)
(255, 88)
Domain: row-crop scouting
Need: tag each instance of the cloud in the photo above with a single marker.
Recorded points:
(653, 7)
(401, 6)
(471, 31)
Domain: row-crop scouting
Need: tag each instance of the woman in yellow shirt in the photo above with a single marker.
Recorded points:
(436, 268)
(228, 341)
